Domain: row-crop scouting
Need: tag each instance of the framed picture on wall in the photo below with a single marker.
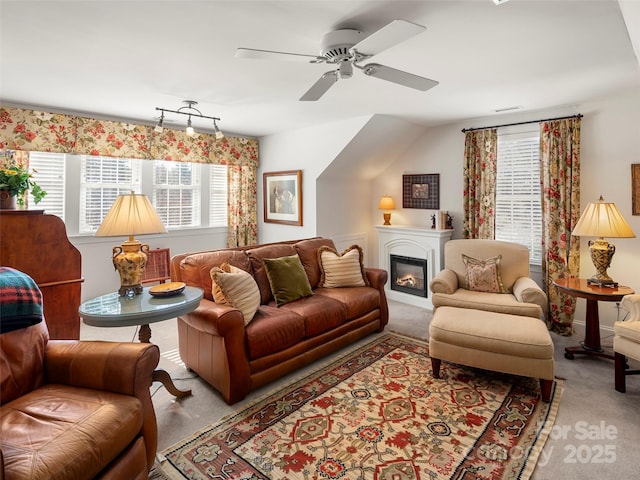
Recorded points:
(282, 192)
(635, 188)
(421, 191)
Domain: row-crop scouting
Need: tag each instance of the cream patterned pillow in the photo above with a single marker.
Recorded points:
(234, 287)
(342, 270)
(483, 275)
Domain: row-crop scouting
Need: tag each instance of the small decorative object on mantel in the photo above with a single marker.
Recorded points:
(15, 180)
(441, 220)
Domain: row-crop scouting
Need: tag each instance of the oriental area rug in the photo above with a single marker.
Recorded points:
(377, 413)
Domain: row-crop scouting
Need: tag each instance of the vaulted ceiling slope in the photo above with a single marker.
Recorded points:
(123, 59)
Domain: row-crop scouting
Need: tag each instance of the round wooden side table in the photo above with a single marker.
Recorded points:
(581, 288)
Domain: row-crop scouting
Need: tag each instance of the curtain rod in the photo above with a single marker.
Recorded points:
(579, 115)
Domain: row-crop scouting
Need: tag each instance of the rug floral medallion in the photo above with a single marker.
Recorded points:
(377, 413)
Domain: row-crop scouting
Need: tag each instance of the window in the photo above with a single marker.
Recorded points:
(518, 194)
(102, 179)
(81, 189)
(49, 174)
(176, 193)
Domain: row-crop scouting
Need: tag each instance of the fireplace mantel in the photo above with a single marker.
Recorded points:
(416, 242)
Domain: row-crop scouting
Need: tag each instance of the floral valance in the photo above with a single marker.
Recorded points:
(22, 129)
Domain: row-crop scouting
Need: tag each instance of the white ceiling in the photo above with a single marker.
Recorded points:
(121, 59)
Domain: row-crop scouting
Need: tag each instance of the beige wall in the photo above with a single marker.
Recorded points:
(609, 145)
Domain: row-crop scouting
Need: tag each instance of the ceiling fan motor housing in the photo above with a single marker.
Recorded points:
(335, 45)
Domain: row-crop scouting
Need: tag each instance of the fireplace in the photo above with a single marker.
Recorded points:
(409, 275)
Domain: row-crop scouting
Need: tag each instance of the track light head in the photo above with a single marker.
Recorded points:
(190, 131)
(159, 128)
(218, 133)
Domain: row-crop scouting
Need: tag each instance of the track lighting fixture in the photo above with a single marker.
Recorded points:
(189, 110)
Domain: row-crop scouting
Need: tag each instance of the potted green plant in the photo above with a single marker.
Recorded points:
(16, 180)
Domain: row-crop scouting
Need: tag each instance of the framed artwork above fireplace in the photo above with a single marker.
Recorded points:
(421, 191)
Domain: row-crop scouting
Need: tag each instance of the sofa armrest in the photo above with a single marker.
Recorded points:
(377, 279)
(446, 281)
(216, 319)
(526, 290)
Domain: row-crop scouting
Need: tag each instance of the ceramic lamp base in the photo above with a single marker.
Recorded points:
(601, 255)
(130, 260)
(387, 218)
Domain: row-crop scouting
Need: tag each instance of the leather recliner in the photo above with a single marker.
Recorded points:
(73, 409)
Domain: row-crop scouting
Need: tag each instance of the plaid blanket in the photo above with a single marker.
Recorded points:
(20, 300)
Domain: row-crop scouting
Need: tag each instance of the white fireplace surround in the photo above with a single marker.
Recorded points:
(416, 242)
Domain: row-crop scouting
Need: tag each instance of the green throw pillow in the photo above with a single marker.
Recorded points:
(287, 278)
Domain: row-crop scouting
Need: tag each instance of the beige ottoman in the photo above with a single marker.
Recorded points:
(492, 341)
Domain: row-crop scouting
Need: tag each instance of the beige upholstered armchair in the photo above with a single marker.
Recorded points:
(626, 342)
(488, 275)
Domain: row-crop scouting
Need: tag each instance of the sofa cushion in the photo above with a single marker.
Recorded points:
(308, 252)
(272, 330)
(234, 287)
(196, 268)
(257, 255)
(358, 300)
(344, 269)
(483, 275)
(320, 314)
(287, 278)
(58, 431)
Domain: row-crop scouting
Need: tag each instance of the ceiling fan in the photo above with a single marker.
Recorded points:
(347, 48)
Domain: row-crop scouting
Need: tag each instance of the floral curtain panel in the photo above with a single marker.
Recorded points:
(242, 210)
(560, 170)
(480, 156)
(30, 130)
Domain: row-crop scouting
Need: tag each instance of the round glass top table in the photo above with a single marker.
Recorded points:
(112, 310)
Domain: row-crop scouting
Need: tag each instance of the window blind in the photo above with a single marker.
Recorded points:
(176, 193)
(518, 194)
(218, 195)
(102, 180)
(48, 172)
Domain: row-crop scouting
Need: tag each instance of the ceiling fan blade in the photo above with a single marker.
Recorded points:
(319, 88)
(398, 76)
(393, 33)
(254, 53)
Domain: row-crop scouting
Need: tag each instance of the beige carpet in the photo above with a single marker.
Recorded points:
(592, 418)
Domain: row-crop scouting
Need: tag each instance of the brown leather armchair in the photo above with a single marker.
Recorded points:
(75, 409)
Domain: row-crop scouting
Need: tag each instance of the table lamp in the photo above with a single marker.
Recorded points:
(602, 219)
(131, 214)
(386, 203)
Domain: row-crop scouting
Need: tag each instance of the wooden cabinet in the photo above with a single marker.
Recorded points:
(37, 244)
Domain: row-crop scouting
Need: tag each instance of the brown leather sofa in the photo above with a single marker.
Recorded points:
(75, 409)
(236, 359)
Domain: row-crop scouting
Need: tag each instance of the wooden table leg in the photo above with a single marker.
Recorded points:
(163, 377)
(159, 375)
(591, 344)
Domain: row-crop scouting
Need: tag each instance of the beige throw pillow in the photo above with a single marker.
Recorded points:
(234, 287)
(342, 270)
(483, 275)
